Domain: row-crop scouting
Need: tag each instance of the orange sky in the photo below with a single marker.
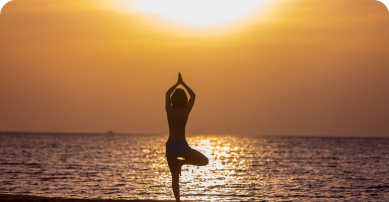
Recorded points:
(315, 68)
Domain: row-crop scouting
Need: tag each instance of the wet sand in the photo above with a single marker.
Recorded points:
(23, 198)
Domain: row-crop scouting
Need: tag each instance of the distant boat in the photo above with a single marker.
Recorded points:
(110, 132)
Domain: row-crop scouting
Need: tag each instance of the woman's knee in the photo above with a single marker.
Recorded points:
(205, 161)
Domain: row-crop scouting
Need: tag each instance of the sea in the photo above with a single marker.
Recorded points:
(241, 168)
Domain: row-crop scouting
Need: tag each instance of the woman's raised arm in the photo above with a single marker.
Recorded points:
(190, 104)
(170, 91)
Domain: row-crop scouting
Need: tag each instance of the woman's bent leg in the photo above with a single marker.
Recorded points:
(172, 162)
(194, 158)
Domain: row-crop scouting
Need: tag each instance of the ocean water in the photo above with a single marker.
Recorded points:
(241, 168)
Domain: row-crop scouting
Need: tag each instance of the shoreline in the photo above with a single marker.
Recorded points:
(28, 198)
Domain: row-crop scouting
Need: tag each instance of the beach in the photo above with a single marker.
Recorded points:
(24, 198)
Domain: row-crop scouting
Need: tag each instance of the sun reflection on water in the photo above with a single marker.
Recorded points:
(238, 168)
(219, 173)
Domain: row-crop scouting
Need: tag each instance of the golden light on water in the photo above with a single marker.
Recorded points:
(230, 167)
(237, 168)
(220, 172)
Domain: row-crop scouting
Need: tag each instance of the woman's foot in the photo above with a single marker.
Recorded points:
(179, 165)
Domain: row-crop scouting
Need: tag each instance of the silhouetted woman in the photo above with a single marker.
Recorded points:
(178, 109)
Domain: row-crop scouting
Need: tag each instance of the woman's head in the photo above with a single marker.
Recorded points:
(179, 98)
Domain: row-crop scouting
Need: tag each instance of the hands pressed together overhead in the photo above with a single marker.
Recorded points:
(180, 81)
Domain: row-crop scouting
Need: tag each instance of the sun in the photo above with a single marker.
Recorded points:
(197, 13)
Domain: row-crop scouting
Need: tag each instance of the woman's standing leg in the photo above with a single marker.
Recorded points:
(172, 162)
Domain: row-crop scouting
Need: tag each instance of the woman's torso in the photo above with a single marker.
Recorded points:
(177, 118)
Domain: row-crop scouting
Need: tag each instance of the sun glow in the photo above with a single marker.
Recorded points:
(196, 14)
